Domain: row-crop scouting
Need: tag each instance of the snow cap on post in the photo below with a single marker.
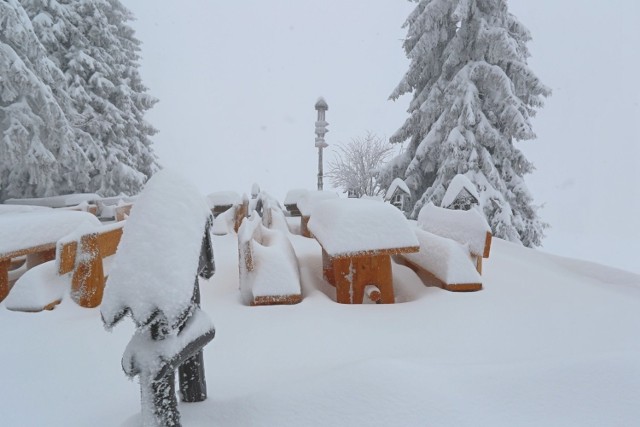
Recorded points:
(321, 104)
(157, 260)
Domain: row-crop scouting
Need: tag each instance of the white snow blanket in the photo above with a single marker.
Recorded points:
(446, 259)
(56, 201)
(40, 227)
(223, 198)
(465, 227)
(275, 269)
(157, 259)
(310, 198)
(15, 209)
(349, 226)
(293, 196)
(37, 288)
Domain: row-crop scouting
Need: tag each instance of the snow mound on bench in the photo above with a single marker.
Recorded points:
(37, 288)
(157, 260)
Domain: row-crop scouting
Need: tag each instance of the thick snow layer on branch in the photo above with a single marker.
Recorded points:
(274, 266)
(465, 227)
(309, 199)
(349, 226)
(223, 198)
(446, 259)
(458, 183)
(56, 201)
(157, 259)
(37, 288)
(41, 227)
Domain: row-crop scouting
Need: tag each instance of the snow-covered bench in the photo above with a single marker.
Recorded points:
(34, 234)
(442, 262)
(269, 272)
(83, 252)
(468, 228)
(358, 238)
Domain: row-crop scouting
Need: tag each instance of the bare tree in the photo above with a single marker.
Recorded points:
(356, 164)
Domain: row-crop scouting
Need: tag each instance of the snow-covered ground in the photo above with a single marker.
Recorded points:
(550, 341)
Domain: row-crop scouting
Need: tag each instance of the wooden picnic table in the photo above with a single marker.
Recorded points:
(358, 238)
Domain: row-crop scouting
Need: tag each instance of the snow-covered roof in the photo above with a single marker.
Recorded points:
(446, 259)
(223, 198)
(458, 183)
(29, 229)
(465, 227)
(157, 259)
(346, 227)
(56, 201)
(396, 184)
(310, 198)
(294, 195)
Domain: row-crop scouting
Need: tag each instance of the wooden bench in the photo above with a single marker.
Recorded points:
(34, 255)
(253, 232)
(34, 235)
(84, 257)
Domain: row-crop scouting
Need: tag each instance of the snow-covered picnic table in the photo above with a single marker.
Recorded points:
(357, 239)
(35, 234)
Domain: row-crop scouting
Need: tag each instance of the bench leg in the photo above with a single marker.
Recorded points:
(4, 278)
(87, 283)
(193, 385)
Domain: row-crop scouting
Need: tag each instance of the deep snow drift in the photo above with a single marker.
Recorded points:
(549, 342)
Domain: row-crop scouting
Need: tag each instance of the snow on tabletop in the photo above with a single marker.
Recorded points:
(395, 184)
(466, 227)
(15, 209)
(223, 198)
(455, 187)
(309, 199)
(56, 201)
(157, 259)
(37, 288)
(446, 259)
(294, 195)
(146, 356)
(349, 226)
(41, 227)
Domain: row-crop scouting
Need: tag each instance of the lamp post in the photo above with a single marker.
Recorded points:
(321, 130)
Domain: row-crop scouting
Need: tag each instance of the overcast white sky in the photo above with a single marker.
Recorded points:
(237, 82)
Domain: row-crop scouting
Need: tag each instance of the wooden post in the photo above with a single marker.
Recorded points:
(87, 283)
(4, 278)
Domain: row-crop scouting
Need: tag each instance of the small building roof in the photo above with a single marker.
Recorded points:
(347, 227)
(465, 227)
(396, 184)
(458, 184)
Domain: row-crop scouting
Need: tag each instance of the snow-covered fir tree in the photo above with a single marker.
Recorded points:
(39, 150)
(473, 97)
(94, 46)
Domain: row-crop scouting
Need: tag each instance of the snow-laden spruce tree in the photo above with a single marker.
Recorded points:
(39, 151)
(93, 44)
(473, 97)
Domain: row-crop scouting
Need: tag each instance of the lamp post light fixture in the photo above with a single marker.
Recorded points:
(321, 130)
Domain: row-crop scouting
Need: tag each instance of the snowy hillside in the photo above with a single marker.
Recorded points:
(548, 342)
